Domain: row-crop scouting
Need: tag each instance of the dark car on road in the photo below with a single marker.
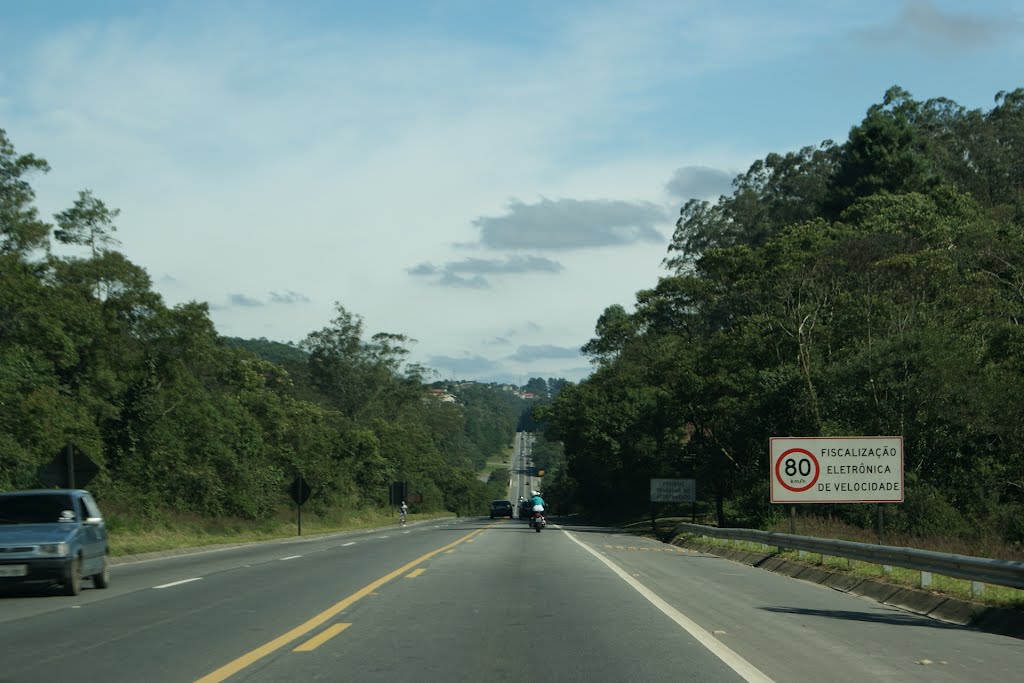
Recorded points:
(501, 508)
(52, 536)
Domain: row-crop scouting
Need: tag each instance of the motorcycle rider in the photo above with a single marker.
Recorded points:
(538, 505)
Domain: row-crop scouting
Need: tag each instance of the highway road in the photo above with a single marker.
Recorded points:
(477, 600)
(520, 482)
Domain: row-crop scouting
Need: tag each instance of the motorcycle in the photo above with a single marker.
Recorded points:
(538, 522)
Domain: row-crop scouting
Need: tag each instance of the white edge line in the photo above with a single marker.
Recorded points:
(345, 545)
(178, 583)
(745, 669)
(290, 557)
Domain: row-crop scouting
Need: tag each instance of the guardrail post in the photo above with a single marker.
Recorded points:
(976, 570)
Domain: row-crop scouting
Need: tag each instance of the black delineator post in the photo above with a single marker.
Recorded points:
(654, 527)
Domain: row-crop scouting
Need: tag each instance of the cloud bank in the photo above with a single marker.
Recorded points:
(923, 25)
(699, 182)
(454, 273)
(527, 353)
(566, 224)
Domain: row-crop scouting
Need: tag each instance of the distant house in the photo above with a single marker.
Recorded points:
(441, 395)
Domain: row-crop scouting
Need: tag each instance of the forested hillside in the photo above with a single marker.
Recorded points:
(181, 418)
(870, 287)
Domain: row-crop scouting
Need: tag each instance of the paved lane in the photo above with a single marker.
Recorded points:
(508, 603)
(137, 631)
(795, 630)
(475, 600)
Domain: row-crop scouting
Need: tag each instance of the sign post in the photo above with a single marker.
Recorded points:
(397, 492)
(299, 491)
(69, 469)
(858, 469)
(672, 491)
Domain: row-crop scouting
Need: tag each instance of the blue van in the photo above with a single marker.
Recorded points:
(54, 536)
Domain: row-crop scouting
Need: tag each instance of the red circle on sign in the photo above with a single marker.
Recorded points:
(778, 473)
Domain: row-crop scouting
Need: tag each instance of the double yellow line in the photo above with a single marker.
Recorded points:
(233, 667)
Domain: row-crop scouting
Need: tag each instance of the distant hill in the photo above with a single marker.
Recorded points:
(281, 353)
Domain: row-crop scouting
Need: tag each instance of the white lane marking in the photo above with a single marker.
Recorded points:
(290, 557)
(383, 537)
(406, 532)
(745, 669)
(178, 583)
(345, 545)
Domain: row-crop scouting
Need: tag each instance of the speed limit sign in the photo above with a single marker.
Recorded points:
(797, 470)
(836, 469)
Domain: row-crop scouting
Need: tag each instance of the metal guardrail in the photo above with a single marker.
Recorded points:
(983, 570)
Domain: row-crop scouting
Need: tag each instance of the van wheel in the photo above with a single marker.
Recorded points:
(102, 580)
(73, 586)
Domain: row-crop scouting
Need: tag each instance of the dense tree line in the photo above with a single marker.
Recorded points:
(179, 417)
(872, 287)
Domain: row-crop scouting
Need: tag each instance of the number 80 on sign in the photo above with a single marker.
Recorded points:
(797, 470)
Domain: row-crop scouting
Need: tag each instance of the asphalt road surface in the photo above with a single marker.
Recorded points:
(477, 600)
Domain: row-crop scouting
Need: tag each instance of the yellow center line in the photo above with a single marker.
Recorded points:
(321, 638)
(414, 573)
(233, 667)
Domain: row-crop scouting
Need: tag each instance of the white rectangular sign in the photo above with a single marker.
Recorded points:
(852, 469)
(673, 490)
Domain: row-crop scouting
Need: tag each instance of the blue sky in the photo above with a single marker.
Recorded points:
(483, 177)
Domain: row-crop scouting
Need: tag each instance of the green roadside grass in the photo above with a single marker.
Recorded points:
(497, 462)
(1000, 596)
(131, 533)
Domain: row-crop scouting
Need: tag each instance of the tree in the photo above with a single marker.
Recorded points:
(21, 231)
(538, 386)
(89, 222)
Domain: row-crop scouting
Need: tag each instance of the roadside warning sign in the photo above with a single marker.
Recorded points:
(855, 469)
